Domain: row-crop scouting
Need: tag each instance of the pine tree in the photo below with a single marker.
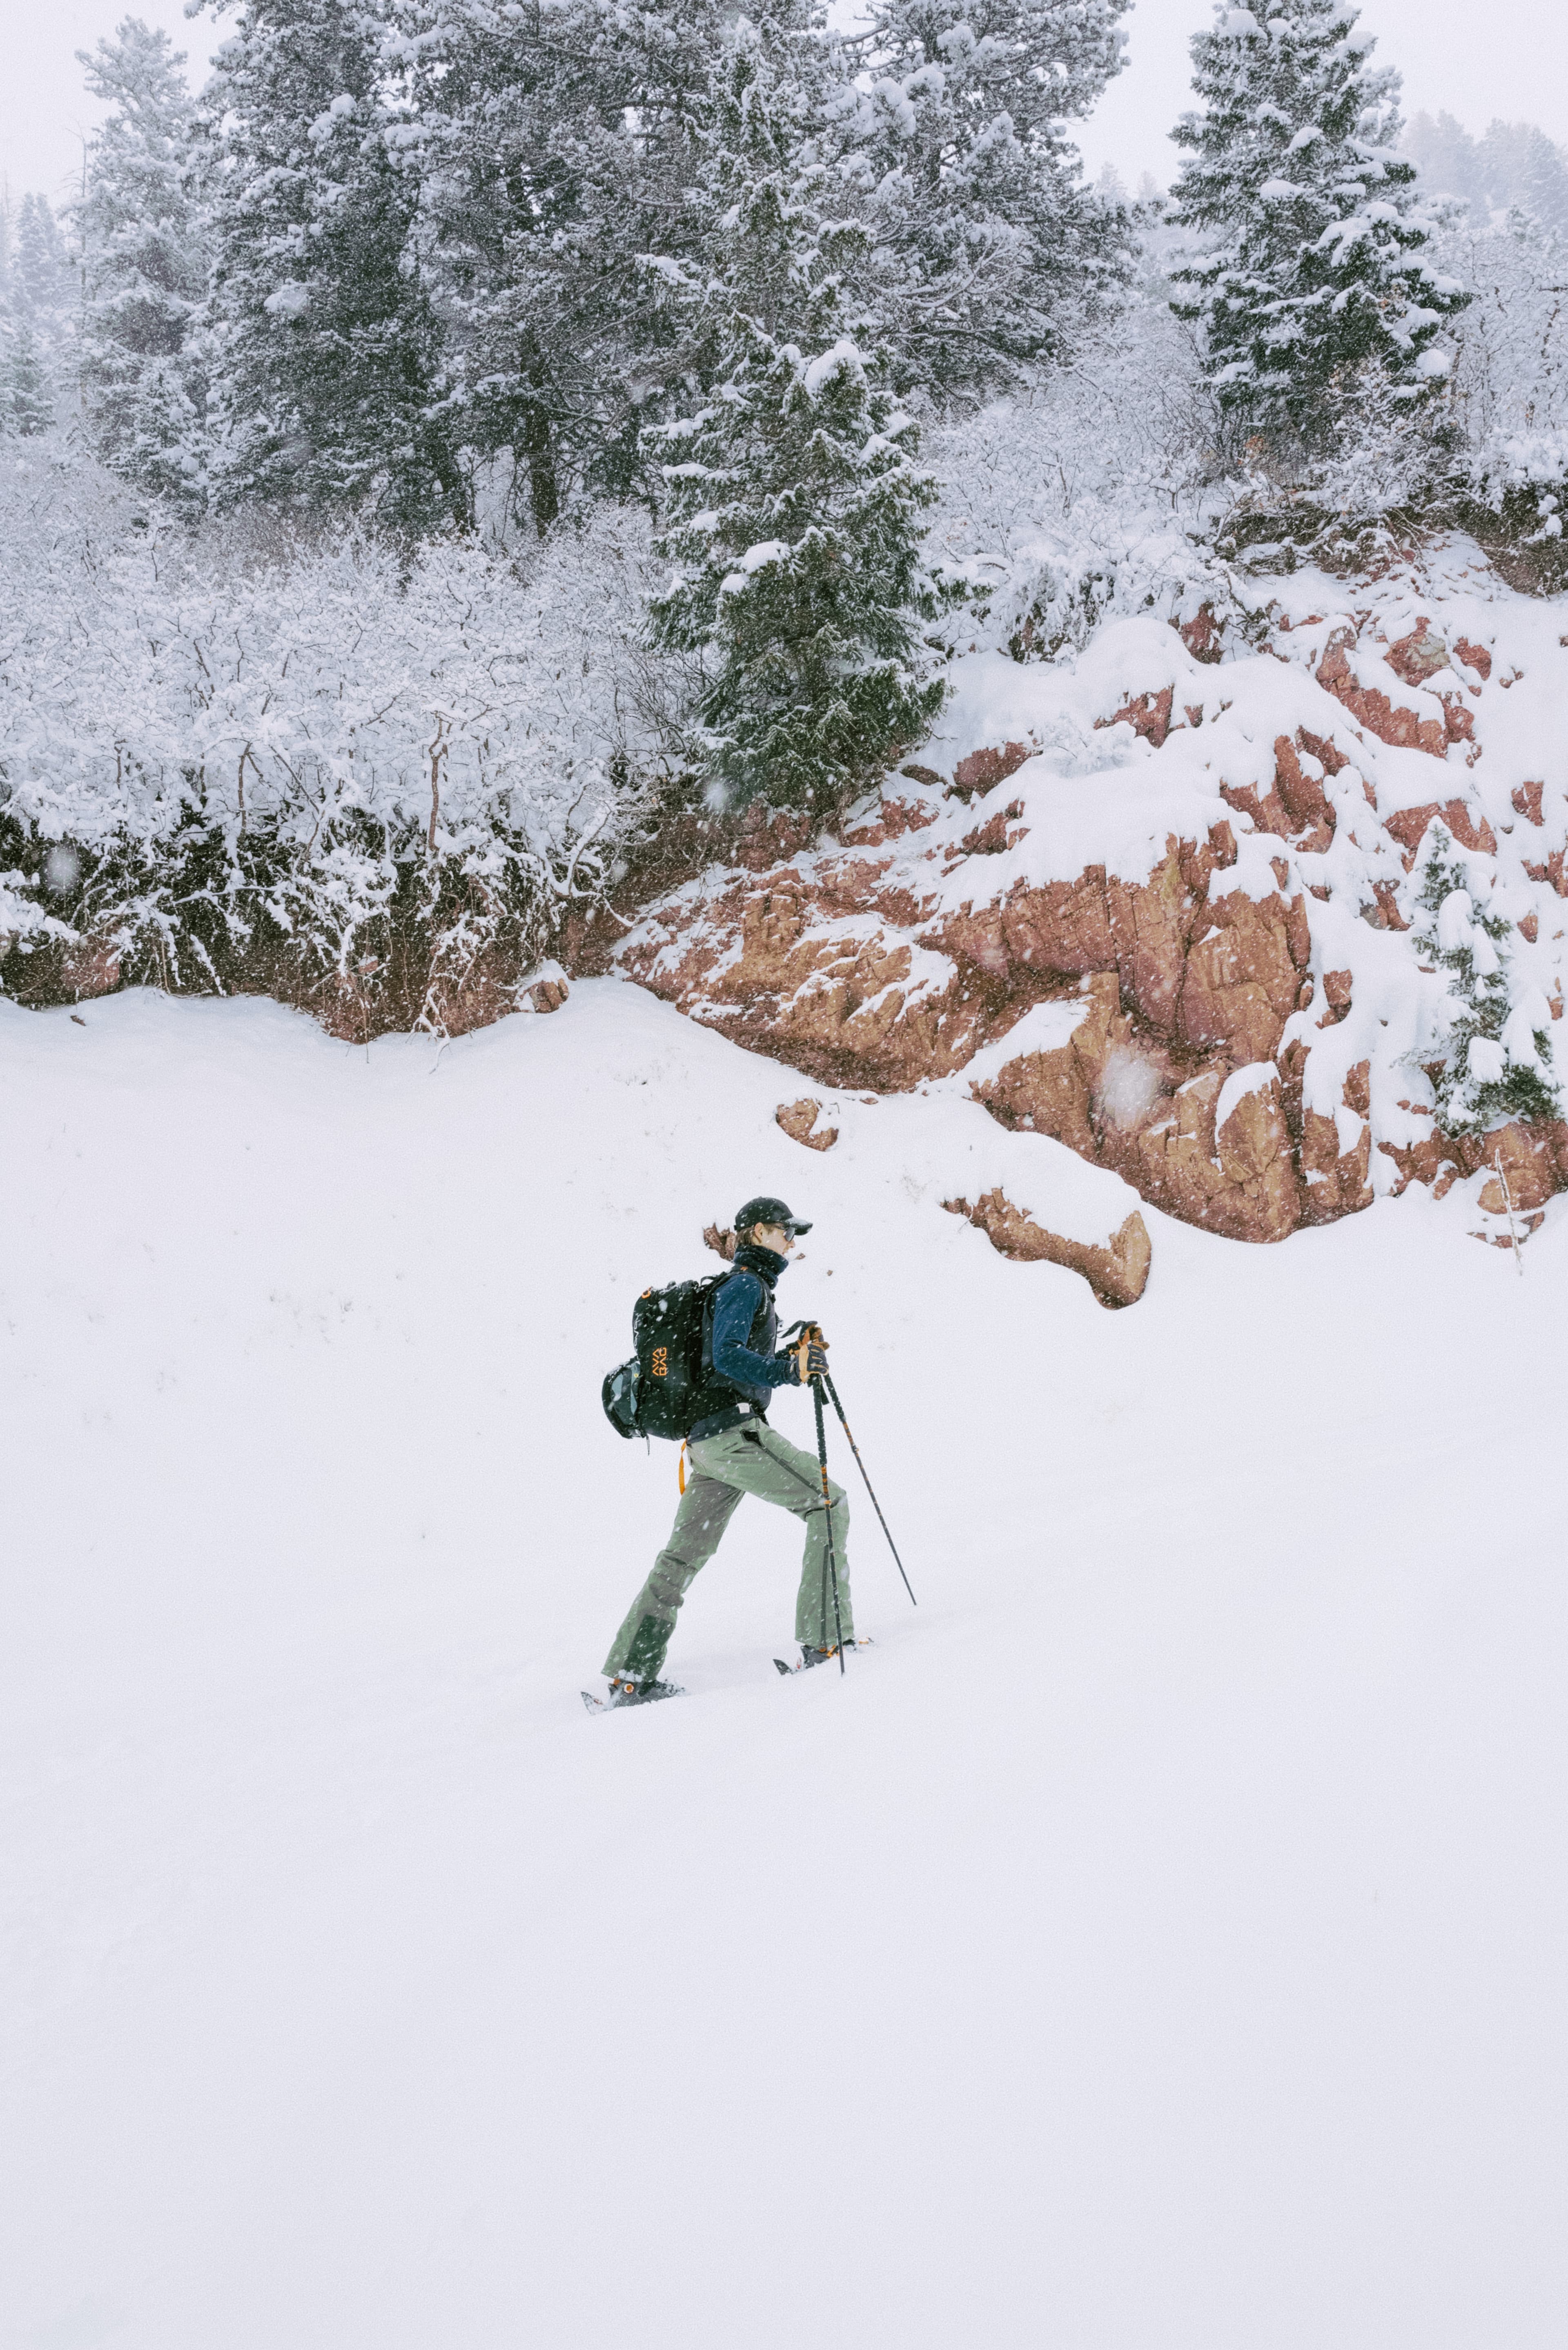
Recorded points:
(40, 300)
(1496, 1060)
(326, 354)
(7, 318)
(794, 492)
(1313, 263)
(989, 241)
(144, 265)
(554, 151)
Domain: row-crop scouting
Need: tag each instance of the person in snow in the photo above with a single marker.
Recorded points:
(734, 1452)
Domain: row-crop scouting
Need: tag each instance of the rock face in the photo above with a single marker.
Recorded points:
(1369, 689)
(1534, 1160)
(1117, 1096)
(1180, 878)
(1118, 1275)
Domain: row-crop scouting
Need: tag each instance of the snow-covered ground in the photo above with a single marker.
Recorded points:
(1158, 1941)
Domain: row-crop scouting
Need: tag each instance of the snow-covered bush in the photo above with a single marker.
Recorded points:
(319, 767)
(1510, 372)
(1490, 1053)
(1507, 399)
(1088, 497)
(1521, 479)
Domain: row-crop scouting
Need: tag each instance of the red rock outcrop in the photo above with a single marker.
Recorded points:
(1375, 710)
(798, 1120)
(888, 958)
(998, 833)
(1117, 1274)
(1419, 655)
(814, 970)
(1335, 1182)
(1124, 1099)
(1422, 659)
(1535, 1159)
(1296, 807)
(1470, 828)
(1202, 635)
(1241, 976)
(1148, 714)
(983, 768)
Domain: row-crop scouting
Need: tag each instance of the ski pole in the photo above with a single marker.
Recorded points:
(813, 1330)
(827, 1506)
(860, 1464)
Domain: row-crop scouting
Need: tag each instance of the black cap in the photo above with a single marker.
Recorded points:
(768, 1210)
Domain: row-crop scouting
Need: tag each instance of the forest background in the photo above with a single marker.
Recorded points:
(463, 447)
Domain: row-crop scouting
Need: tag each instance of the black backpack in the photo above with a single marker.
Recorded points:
(655, 1391)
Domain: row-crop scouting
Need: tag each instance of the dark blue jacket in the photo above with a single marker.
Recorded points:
(744, 1329)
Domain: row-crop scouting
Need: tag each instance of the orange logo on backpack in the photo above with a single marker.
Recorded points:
(661, 1362)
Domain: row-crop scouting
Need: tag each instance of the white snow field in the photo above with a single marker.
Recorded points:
(1156, 1940)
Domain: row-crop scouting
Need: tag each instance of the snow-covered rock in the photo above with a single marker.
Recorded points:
(1200, 871)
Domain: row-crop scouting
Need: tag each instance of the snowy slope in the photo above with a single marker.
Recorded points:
(1158, 1941)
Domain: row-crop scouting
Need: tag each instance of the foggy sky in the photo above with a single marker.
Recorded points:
(1510, 58)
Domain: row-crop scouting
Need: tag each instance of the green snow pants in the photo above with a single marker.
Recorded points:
(741, 1461)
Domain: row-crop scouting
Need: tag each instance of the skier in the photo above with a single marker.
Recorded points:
(734, 1452)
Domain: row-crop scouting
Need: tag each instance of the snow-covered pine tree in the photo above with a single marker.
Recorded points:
(554, 151)
(988, 237)
(326, 357)
(144, 267)
(40, 302)
(795, 497)
(1494, 1059)
(1312, 259)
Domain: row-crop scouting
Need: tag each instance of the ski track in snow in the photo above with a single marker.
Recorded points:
(1158, 1939)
